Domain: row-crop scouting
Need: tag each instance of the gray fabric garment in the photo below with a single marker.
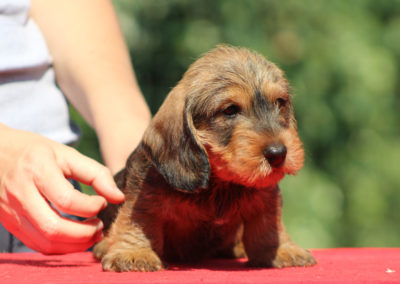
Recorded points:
(29, 97)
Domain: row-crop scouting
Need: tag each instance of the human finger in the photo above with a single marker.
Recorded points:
(56, 228)
(61, 193)
(41, 228)
(34, 239)
(90, 172)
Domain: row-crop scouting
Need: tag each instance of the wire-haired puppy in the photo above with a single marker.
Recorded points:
(204, 180)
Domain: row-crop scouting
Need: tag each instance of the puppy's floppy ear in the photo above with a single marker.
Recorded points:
(172, 145)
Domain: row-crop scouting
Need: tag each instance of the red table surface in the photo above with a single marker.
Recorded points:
(351, 265)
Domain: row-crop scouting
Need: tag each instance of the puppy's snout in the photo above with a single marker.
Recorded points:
(275, 154)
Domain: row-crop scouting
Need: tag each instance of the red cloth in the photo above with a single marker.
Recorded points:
(355, 265)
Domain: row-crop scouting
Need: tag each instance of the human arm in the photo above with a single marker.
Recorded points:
(93, 69)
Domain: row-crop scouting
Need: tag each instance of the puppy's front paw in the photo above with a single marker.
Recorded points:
(290, 254)
(136, 260)
(286, 255)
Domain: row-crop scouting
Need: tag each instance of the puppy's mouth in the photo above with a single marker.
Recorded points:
(261, 176)
(263, 180)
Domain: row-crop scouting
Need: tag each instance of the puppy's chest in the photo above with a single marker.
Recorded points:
(200, 225)
(216, 208)
(199, 232)
(189, 216)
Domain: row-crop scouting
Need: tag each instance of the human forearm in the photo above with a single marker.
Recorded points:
(94, 71)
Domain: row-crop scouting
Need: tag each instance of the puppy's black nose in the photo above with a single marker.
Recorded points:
(275, 154)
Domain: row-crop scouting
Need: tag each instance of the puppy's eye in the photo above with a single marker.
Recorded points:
(231, 111)
(281, 102)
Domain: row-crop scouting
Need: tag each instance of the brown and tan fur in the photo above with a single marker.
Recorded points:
(199, 185)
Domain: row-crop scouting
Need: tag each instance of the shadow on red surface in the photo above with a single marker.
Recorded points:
(346, 265)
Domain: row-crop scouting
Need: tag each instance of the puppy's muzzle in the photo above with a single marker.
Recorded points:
(275, 154)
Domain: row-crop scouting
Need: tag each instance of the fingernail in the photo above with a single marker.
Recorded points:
(118, 192)
(116, 188)
(100, 226)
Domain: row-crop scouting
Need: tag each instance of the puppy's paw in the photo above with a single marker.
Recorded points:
(286, 255)
(100, 249)
(136, 260)
(290, 254)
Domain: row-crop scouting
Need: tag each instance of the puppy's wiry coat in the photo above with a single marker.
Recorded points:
(203, 181)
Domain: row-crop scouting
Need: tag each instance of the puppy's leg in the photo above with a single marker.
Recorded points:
(268, 245)
(129, 247)
(266, 248)
(234, 252)
(289, 253)
(235, 248)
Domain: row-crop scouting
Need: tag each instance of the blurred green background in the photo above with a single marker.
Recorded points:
(342, 58)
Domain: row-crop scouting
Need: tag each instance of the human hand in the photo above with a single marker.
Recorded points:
(33, 172)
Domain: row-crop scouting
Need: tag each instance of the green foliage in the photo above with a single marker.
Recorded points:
(342, 59)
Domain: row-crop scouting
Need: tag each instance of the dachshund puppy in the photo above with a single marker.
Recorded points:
(204, 180)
